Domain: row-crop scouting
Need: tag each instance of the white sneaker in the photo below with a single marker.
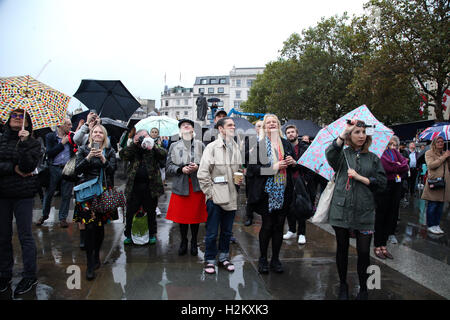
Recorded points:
(438, 229)
(158, 212)
(433, 230)
(393, 239)
(289, 235)
(301, 239)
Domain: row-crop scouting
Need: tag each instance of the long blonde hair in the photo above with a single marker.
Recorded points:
(263, 132)
(105, 136)
(433, 144)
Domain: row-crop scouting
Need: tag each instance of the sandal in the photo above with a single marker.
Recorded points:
(227, 265)
(210, 268)
(386, 253)
(378, 252)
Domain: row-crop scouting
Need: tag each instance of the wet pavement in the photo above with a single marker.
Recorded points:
(420, 269)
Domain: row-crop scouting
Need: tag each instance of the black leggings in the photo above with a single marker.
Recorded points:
(363, 249)
(93, 242)
(272, 228)
(184, 231)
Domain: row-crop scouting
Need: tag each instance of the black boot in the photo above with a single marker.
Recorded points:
(362, 295)
(343, 292)
(82, 239)
(263, 265)
(97, 262)
(194, 248)
(276, 266)
(90, 274)
(183, 247)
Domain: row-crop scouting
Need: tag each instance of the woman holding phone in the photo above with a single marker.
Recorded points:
(94, 160)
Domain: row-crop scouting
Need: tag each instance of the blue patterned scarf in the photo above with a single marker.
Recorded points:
(275, 185)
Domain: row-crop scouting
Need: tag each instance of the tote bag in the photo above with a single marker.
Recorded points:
(139, 228)
(323, 207)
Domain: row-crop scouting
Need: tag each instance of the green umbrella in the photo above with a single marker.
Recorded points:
(167, 126)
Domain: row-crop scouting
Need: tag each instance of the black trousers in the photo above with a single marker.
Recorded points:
(272, 229)
(22, 209)
(141, 197)
(93, 242)
(412, 180)
(362, 248)
(295, 223)
(386, 215)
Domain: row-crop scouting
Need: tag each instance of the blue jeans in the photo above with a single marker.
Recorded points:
(22, 209)
(218, 217)
(66, 193)
(434, 213)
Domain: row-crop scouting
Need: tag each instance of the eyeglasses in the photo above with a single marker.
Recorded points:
(15, 115)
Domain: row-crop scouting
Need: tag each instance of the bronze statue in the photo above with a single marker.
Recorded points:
(202, 107)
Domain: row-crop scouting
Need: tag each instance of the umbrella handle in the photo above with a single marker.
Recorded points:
(24, 117)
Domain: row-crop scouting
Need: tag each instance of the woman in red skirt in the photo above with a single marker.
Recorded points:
(187, 204)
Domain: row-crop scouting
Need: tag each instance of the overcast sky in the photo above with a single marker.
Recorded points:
(138, 42)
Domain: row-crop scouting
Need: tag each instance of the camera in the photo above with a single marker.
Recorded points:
(141, 139)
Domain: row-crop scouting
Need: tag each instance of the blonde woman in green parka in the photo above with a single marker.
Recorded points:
(352, 209)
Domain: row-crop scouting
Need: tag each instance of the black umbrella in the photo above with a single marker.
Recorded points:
(77, 117)
(213, 100)
(305, 127)
(110, 98)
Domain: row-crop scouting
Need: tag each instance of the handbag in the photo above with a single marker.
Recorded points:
(437, 183)
(301, 205)
(89, 189)
(68, 171)
(109, 201)
(323, 207)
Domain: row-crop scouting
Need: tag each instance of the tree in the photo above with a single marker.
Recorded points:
(416, 35)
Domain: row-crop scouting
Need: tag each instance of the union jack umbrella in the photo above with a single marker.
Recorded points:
(436, 130)
(46, 106)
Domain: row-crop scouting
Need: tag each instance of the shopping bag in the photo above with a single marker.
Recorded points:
(323, 207)
(139, 229)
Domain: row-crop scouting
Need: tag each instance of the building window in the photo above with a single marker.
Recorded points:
(178, 102)
(237, 104)
(200, 90)
(178, 113)
(186, 113)
(203, 81)
(238, 82)
(220, 90)
(167, 113)
(186, 102)
(249, 83)
(213, 81)
(238, 94)
(210, 90)
(222, 81)
(167, 103)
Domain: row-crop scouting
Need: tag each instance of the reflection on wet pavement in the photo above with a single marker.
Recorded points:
(156, 272)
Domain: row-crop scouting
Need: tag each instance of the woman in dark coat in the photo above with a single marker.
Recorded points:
(19, 157)
(359, 174)
(271, 188)
(91, 160)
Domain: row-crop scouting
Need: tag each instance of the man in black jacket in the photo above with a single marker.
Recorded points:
(19, 156)
(60, 149)
(301, 172)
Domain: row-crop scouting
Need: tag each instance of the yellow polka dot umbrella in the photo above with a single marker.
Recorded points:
(47, 107)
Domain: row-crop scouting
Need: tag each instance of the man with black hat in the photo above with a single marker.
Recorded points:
(211, 134)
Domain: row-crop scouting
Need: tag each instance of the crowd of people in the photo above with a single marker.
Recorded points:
(206, 178)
